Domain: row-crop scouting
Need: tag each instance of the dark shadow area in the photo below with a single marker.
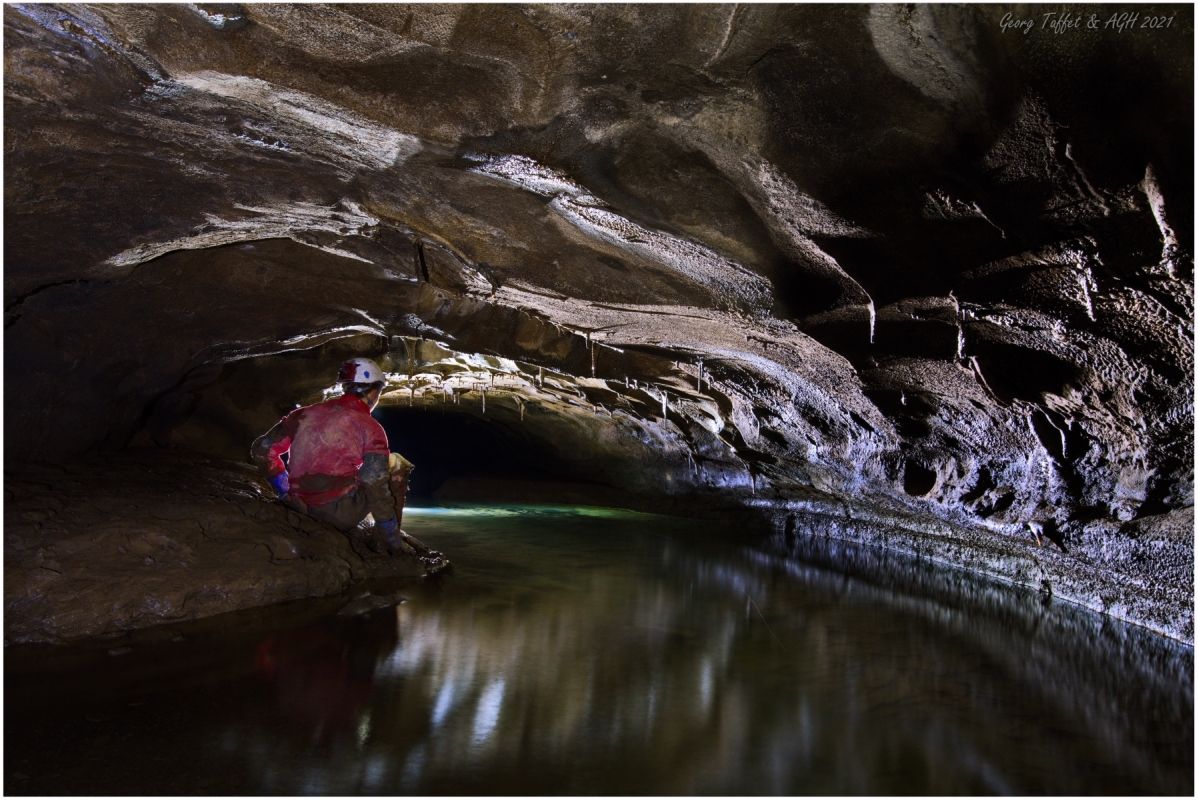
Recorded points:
(918, 480)
(1015, 372)
(447, 445)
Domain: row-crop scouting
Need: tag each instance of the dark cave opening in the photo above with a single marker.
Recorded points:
(918, 480)
(448, 445)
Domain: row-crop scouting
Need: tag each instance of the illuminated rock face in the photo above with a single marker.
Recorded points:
(778, 257)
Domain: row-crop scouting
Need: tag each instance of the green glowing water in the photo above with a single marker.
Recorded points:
(590, 651)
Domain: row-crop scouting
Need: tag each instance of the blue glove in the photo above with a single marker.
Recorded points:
(282, 483)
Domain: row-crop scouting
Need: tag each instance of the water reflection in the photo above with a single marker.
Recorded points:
(623, 654)
(322, 677)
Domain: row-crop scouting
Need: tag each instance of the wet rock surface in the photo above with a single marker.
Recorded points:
(102, 547)
(898, 256)
(1105, 573)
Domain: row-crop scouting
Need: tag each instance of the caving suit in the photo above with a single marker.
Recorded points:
(337, 463)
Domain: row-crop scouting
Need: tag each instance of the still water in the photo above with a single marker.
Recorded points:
(585, 651)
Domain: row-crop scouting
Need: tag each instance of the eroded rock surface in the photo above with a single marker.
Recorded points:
(735, 255)
(101, 547)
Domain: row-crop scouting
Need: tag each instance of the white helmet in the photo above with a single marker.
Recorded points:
(360, 370)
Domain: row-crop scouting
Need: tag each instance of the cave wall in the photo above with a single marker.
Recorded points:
(905, 254)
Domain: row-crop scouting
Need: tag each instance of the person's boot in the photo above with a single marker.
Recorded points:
(393, 543)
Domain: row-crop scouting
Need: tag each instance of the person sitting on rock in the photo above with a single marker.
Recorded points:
(339, 466)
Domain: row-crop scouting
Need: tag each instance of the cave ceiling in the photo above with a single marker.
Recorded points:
(891, 251)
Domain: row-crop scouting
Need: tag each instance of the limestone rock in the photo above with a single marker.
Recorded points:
(100, 547)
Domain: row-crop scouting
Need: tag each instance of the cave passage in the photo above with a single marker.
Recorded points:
(890, 281)
(448, 446)
(886, 262)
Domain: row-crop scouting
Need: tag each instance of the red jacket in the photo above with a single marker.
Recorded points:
(328, 442)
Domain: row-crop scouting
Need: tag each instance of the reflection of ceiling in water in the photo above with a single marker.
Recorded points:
(682, 671)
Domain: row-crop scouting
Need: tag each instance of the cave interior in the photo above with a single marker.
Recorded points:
(887, 263)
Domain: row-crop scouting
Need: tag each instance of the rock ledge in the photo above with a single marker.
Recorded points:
(99, 548)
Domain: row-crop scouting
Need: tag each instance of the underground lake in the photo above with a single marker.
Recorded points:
(582, 650)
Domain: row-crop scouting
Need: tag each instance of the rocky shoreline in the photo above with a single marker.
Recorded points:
(103, 547)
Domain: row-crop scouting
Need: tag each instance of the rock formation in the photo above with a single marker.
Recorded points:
(103, 546)
(904, 264)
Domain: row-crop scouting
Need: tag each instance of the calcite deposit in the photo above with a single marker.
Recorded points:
(895, 263)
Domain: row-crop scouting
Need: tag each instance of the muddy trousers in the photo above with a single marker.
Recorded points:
(347, 511)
